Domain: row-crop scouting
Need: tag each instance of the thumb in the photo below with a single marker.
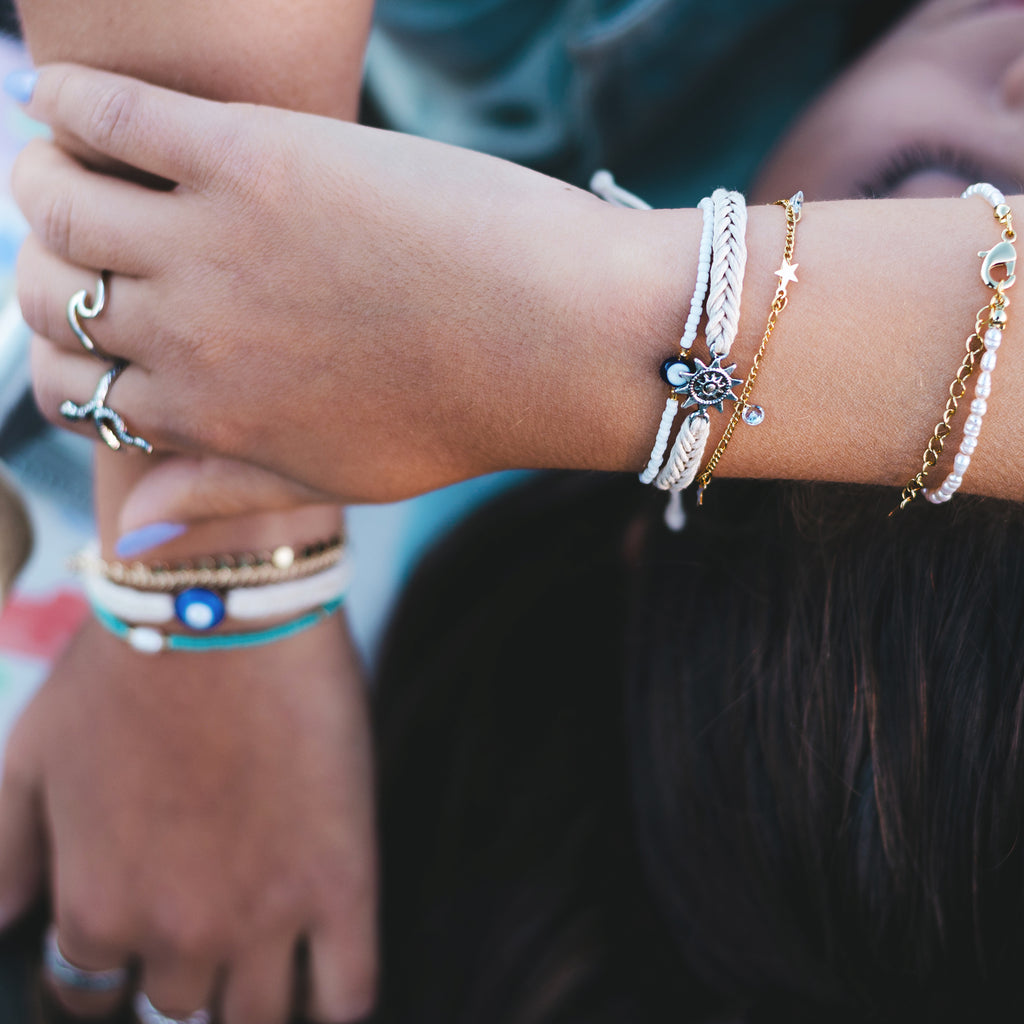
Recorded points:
(22, 839)
(187, 490)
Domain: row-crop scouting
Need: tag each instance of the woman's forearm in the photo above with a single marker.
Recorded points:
(856, 373)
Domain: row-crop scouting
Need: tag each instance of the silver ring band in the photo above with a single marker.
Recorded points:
(149, 1014)
(109, 425)
(64, 973)
(80, 306)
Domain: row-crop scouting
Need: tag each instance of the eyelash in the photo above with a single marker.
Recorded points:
(914, 159)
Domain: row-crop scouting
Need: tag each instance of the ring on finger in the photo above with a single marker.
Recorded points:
(64, 973)
(80, 306)
(149, 1014)
(109, 425)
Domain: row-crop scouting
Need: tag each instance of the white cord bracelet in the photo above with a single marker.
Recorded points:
(201, 609)
(686, 341)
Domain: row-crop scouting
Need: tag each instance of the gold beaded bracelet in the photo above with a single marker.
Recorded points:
(248, 569)
(754, 414)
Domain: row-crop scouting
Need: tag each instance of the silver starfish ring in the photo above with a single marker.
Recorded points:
(109, 425)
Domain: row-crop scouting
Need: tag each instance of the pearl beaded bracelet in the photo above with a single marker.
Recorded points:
(981, 350)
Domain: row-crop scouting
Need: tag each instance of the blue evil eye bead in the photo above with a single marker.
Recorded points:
(675, 371)
(199, 609)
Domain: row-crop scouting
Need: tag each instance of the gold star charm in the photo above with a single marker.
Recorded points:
(786, 272)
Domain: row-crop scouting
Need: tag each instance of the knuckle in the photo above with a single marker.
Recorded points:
(113, 114)
(86, 921)
(54, 221)
(181, 929)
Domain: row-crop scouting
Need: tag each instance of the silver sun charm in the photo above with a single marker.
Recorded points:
(703, 384)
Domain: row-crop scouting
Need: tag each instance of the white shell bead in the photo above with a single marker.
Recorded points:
(146, 640)
(953, 481)
(972, 427)
(968, 444)
(960, 463)
(983, 388)
(993, 338)
(979, 406)
(988, 361)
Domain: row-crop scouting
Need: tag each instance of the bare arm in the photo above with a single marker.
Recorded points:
(258, 846)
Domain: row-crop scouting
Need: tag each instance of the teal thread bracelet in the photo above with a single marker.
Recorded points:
(152, 641)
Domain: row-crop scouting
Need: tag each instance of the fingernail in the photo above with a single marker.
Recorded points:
(146, 537)
(20, 85)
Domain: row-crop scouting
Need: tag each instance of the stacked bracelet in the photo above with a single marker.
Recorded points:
(753, 415)
(982, 344)
(129, 600)
(204, 608)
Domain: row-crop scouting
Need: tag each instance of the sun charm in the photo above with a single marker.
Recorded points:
(704, 385)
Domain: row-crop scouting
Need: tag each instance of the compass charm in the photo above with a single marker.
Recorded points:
(704, 385)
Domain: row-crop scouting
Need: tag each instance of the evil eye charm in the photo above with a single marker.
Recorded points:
(199, 609)
(704, 385)
(675, 372)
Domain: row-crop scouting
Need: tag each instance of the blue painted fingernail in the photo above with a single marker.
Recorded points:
(20, 85)
(146, 537)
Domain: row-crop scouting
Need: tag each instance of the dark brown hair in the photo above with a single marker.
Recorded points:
(769, 767)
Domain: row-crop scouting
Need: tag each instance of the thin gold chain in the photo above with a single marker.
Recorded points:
(779, 303)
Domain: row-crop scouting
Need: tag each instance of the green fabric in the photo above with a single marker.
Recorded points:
(675, 97)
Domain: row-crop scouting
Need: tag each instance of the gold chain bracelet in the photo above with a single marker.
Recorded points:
(218, 572)
(754, 414)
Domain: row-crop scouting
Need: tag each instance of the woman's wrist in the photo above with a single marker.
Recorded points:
(858, 372)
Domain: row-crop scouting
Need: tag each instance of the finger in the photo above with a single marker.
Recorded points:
(343, 960)
(83, 991)
(90, 219)
(46, 283)
(59, 376)
(165, 133)
(22, 839)
(260, 987)
(179, 988)
(189, 489)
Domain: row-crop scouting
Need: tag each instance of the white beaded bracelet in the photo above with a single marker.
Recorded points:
(201, 609)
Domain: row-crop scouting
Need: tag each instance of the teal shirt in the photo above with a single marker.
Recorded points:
(675, 97)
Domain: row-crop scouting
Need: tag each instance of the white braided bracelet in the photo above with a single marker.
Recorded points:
(686, 341)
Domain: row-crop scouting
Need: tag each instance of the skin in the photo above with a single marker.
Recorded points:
(183, 828)
(436, 307)
(505, 292)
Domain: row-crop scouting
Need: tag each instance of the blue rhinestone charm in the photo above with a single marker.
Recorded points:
(199, 609)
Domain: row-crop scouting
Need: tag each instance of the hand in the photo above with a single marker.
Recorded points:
(308, 285)
(203, 814)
